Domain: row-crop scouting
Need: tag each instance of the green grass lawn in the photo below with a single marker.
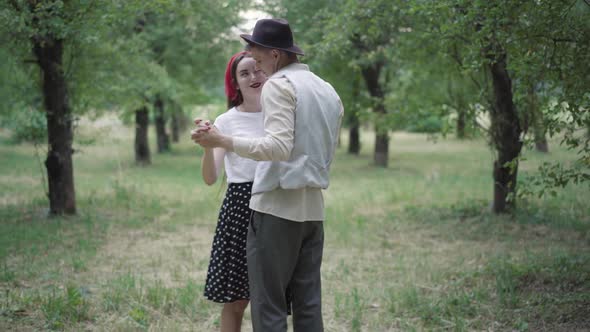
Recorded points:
(408, 248)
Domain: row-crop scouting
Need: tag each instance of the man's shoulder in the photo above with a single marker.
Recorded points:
(278, 83)
(276, 79)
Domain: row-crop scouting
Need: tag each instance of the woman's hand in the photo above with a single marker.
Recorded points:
(202, 126)
(207, 137)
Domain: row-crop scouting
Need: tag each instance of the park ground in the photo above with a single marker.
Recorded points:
(409, 248)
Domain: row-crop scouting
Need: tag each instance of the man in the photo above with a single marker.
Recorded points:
(302, 116)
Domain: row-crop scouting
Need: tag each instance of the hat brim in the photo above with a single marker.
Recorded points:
(293, 49)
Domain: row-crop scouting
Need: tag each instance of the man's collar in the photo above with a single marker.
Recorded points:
(291, 66)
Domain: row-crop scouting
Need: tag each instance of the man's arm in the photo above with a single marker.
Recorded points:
(278, 104)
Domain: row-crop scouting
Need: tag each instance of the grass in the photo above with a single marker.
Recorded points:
(409, 248)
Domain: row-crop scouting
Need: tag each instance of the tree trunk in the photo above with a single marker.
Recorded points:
(458, 102)
(506, 132)
(536, 118)
(160, 120)
(461, 116)
(381, 149)
(142, 148)
(371, 75)
(60, 171)
(540, 140)
(354, 141)
(175, 126)
(354, 145)
(183, 121)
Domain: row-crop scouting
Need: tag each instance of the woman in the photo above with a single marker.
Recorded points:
(227, 275)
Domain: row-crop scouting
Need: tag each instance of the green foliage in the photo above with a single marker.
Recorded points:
(431, 55)
(26, 125)
(479, 32)
(375, 33)
(112, 63)
(21, 101)
(430, 124)
(191, 47)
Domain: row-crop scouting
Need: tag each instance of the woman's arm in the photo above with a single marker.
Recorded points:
(211, 164)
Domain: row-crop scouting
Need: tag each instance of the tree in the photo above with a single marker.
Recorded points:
(306, 19)
(510, 42)
(43, 27)
(192, 50)
(499, 49)
(141, 146)
(505, 130)
(561, 44)
(535, 119)
(162, 137)
(87, 59)
(371, 30)
(142, 149)
(353, 121)
(55, 36)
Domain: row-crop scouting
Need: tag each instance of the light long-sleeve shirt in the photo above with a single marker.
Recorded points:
(279, 102)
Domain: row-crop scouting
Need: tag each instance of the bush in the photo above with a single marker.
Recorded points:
(430, 124)
(28, 125)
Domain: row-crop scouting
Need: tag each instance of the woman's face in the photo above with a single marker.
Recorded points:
(250, 80)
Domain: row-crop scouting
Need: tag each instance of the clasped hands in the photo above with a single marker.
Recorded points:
(206, 134)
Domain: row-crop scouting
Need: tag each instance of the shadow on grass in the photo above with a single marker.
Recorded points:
(38, 254)
(41, 242)
(576, 218)
(547, 289)
(549, 292)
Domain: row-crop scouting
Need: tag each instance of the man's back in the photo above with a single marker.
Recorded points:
(318, 114)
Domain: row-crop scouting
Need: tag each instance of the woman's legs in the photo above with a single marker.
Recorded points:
(231, 315)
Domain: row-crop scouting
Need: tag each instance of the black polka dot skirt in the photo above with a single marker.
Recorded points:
(227, 275)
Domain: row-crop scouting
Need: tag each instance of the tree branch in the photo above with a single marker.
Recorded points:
(15, 5)
(456, 56)
(569, 8)
(564, 40)
(475, 82)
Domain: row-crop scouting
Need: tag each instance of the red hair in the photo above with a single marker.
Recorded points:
(234, 96)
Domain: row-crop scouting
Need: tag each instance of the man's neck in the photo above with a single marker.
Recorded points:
(284, 62)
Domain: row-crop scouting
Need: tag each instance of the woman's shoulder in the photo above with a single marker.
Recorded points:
(226, 115)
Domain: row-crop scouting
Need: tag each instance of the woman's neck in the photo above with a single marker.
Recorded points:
(250, 106)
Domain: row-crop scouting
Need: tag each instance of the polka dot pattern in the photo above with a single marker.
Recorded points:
(227, 275)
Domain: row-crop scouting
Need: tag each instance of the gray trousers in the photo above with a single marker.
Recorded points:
(283, 253)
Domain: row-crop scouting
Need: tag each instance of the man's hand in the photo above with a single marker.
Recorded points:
(211, 138)
(202, 126)
(201, 123)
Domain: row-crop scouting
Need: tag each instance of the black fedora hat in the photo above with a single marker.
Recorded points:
(273, 33)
